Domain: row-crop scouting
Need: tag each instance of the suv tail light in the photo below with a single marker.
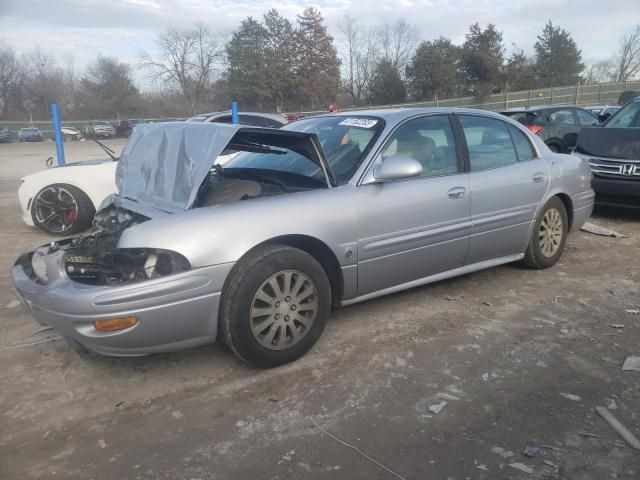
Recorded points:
(535, 128)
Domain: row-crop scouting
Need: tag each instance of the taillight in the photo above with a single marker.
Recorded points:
(535, 128)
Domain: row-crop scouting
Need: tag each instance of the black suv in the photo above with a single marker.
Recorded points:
(557, 126)
(613, 151)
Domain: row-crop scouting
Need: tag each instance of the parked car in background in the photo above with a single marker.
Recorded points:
(30, 134)
(613, 151)
(603, 112)
(557, 126)
(628, 95)
(125, 127)
(292, 117)
(329, 210)
(63, 200)
(71, 133)
(269, 120)
(5, 135)
(99, 129)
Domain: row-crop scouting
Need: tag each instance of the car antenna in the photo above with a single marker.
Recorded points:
(107, 150)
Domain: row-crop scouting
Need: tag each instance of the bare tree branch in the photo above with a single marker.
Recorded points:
(627, 60)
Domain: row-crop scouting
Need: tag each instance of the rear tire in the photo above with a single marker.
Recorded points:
(61, 209)
(274, 306)
(554, 148)
(548, 237)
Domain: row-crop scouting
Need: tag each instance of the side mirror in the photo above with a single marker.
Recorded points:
(397, 167)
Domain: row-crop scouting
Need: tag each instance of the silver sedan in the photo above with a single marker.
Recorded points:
(329, 211)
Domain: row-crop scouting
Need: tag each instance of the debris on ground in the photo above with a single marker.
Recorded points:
(522, 467)
(612, 405)
(614, 423)
(632, 362)
(632, 310)
(589, 435)
(12, 304)
(615, 325)
(599, 230)
(502, 452)
(531, 450)
(488, 304)
(436, 409)
(570, 396)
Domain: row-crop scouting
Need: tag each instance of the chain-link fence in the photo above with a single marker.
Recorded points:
(596, 94)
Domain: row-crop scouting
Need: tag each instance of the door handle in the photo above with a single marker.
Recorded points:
(539, 177)
(456, 193)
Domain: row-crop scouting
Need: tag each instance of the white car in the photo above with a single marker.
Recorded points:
(62, 200)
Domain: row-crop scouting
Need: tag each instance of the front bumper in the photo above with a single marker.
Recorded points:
(173, 312)
(616, 192)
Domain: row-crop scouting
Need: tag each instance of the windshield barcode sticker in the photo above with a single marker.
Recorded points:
(358, 122)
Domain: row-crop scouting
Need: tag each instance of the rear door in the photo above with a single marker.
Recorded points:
(412, 228)
(565, 127)
(507, 181)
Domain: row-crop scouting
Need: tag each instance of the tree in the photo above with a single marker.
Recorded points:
(45, 82)
(12, 82)
(558, 59)
(433, 70)
(186, 59)
(627, 60)
(597, 72)
(398, 39)
(482, 58)
(279, 59)
(386, 85)
(107, 89)
(518, 72)
(317, 64)
(359, 59)
(246, 58)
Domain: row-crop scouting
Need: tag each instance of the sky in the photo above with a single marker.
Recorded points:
(123, 28)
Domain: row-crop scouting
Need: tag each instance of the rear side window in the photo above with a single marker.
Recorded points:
(525, 118)
(586, 118)
(430, 141)
(524, 149)
(488, 141)
(562, 117)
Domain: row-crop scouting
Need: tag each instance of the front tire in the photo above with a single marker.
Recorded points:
(61, 209)
(275, 305)
(548, 237)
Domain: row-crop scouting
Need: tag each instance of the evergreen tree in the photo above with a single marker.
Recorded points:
(279, 59)
(386, 85)
(482, 58)
(433, 70)
(558, 59)
(317, 64)
(246, 56)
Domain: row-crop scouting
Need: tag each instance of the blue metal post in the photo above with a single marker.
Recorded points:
(234, 112)
(57, 131)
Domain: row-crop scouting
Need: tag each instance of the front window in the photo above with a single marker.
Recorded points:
(562, 117)
(628, 117)
(345, 142)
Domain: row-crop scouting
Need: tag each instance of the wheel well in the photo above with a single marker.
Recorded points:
(555, 142)
(568, 206)
(322, 253)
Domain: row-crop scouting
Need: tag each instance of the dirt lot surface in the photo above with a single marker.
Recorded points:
(519, 356)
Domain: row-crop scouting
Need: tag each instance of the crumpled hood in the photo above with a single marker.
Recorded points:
(164, 164)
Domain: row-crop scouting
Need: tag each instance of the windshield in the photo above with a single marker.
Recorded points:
(345, 142)
(628, 117)
(198, 118)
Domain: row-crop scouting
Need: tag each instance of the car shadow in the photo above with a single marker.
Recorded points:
(617, 213)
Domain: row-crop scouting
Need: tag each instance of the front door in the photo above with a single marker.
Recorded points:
(507, 182)
(413, 228)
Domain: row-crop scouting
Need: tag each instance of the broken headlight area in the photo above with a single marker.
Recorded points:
(123, 265)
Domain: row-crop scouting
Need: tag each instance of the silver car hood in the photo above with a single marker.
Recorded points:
(163, 165)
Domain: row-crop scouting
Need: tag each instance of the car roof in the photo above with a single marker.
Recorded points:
(397, 114)
(275, 116)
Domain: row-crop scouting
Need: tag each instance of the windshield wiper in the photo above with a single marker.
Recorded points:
(107, 150)
(255, 148)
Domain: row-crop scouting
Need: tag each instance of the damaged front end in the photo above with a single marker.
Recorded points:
(94, 259)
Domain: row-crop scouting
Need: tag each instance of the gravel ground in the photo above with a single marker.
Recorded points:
(520, 357)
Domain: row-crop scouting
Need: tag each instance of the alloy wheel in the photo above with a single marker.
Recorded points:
(550, 233)
(283, 309)
(55, 208)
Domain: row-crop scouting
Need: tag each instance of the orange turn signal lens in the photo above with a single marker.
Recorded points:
(114, 324)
